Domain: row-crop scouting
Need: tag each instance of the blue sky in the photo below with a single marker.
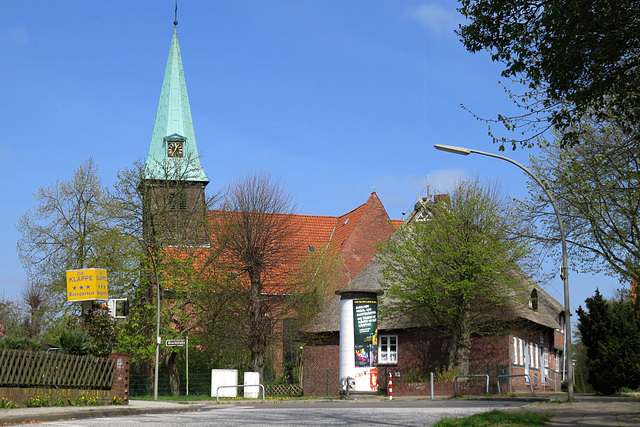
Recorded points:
(335, 98)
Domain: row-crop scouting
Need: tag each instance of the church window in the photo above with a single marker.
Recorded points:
(178, 202)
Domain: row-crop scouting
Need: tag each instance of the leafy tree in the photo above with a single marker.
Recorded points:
(579, 354)
(597, 188)
(171, 215)
(254, 233)
(452, 269)
(11, 317)
(611, 334)
(312, 286)
(70, 228)
(578, 58)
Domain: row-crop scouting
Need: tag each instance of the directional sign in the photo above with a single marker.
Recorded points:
(175, 343)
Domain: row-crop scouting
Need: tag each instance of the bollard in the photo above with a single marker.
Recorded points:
(390, 387)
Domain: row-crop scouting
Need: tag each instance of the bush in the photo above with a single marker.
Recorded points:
(21, 343)
(416, 376)
(444, 375)
(74, 341)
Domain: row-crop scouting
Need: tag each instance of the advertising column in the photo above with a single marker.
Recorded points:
(365, 324)
(358, 341)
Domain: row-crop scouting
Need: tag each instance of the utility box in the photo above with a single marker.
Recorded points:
(224, 377)
(251, 378)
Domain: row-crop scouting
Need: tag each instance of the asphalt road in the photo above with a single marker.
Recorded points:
(393, 413)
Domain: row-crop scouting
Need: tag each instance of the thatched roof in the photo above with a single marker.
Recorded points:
(547, 313)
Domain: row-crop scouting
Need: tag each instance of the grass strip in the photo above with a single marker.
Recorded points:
(496, 418)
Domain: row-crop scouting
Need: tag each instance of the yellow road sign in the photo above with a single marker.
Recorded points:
(87, 284)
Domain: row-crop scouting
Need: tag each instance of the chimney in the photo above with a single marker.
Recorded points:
(444, 198)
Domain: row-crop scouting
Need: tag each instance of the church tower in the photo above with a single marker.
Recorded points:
(173, 182)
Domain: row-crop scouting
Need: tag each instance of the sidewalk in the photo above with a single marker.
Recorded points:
(588, 410)
(31, 415)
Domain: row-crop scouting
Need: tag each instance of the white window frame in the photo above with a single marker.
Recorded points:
(521, 351)
(546, 357)
(387, 349)
(112, 304)
(532, 355)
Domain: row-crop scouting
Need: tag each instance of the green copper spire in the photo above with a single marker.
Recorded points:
(173, 154)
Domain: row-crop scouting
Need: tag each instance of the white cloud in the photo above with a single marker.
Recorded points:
(435, 18)
(18, 35)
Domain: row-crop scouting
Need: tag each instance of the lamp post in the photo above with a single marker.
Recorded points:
(564, 273)
(147, 249)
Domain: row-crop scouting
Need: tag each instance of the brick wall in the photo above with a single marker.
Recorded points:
(553, 381)
(373, 226)
(120, 385)
(322, 369)
(558, 340)
(490, 351)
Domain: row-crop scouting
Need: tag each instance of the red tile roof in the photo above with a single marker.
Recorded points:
(353, 234)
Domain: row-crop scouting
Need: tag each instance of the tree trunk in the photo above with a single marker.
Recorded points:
(257, 325)
(174, 375)
(460, 347)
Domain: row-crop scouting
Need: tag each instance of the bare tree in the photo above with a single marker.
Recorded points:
(35, 296)
(255, 233)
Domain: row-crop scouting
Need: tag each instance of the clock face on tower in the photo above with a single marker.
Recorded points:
(175, 148)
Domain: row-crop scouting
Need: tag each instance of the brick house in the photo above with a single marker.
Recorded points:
(532, 345)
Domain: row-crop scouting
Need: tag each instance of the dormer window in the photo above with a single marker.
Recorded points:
(533, 301)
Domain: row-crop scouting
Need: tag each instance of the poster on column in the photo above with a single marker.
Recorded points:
(365, 318)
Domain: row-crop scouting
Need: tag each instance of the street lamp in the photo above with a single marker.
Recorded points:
(147, 249)
(564, 273)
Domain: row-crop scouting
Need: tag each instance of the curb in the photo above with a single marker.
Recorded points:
(93, 413)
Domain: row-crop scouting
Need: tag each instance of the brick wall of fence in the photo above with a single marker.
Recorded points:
(121, 376)
(20, 395)
(25, 375)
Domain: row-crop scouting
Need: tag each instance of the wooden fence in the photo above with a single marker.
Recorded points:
(20, 368)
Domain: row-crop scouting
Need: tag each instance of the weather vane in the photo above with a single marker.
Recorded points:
(175, 19)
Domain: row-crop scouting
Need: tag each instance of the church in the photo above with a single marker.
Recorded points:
(177, 213)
